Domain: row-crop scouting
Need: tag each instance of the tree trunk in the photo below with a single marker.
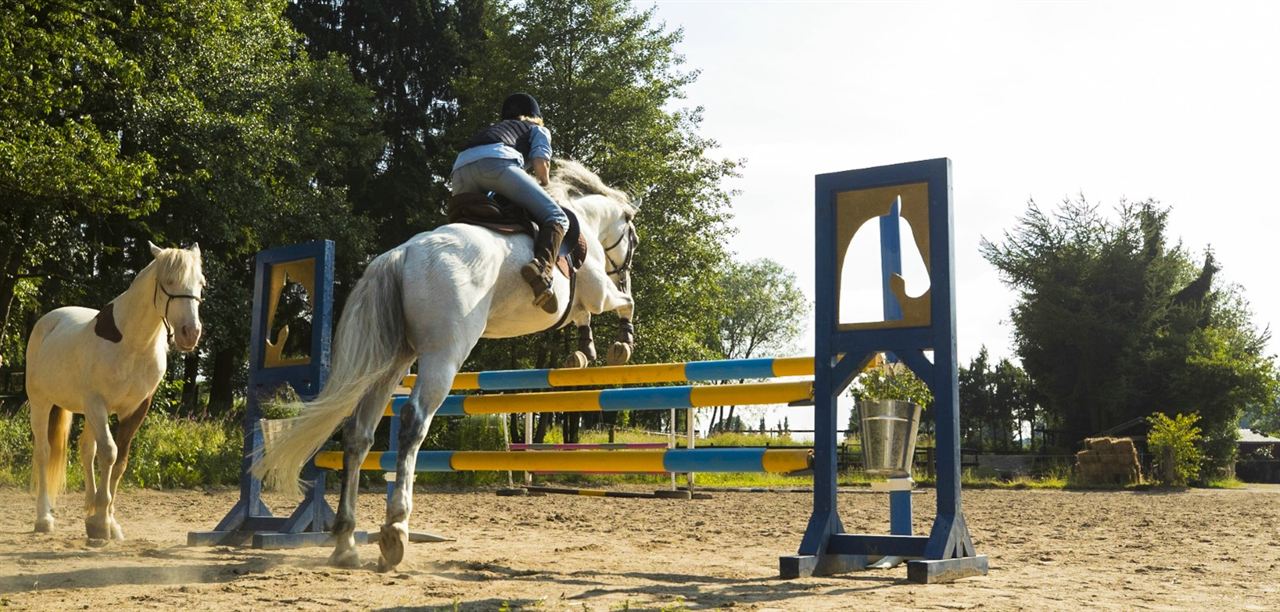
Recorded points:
(8, 287)
(540, 427)
(190, 390)
(220, 392)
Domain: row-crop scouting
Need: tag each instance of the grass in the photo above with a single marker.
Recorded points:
(1224, 483)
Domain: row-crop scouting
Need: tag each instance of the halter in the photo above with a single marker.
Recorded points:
(164, 316)
(632, 239)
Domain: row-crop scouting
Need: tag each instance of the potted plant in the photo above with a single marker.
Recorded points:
(889, 399)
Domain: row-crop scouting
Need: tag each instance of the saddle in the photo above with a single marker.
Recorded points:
(501, 215)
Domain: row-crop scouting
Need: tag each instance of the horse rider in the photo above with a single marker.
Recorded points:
(496, 159)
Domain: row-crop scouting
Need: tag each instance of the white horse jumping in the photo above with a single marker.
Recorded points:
(99, 363)
(431, 299)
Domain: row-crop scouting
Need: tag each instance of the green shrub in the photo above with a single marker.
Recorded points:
(177, 453)
(1173, 442)
(168, 452)
(15, 448)
(481, 432)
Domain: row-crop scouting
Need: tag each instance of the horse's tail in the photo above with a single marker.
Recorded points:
(54, 470)
(370, 346)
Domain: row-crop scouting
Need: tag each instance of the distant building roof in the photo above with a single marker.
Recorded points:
(1248, 435)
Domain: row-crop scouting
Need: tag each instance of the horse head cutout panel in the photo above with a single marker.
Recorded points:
(895, 203)
(290, 312)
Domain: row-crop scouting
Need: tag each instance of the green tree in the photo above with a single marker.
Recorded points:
(244, 140)
(994, 403)
(407, 53)
(65, 85)
(251, 138)
(763, 310)
(1112, 323)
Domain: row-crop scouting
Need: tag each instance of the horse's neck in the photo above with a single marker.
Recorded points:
(591, 217)
(135, 310)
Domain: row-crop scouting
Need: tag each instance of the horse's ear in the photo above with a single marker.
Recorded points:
(155, 250)
(195, 248)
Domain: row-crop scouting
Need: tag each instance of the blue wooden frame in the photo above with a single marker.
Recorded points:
(250, 520)
(841, 352)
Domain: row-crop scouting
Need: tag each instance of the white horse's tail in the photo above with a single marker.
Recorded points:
(370, 347)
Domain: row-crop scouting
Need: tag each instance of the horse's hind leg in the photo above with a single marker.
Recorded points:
(357, 438)
(435, 377)
(40, 459)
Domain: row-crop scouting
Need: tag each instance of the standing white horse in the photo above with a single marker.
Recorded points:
(431, 299)
(99, 363)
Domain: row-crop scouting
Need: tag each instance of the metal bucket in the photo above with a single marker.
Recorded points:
(888, 436)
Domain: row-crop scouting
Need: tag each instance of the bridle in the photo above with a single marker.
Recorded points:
(164, 316)
(632, 239)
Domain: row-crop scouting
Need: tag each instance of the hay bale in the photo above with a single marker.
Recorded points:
(1097, 444)
(1123, 446)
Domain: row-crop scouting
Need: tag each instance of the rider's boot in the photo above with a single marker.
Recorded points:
(538, 273)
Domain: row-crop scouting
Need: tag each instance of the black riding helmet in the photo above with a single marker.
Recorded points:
(520, 104)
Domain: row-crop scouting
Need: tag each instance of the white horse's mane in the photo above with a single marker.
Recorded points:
(178, 266)
(571, 180)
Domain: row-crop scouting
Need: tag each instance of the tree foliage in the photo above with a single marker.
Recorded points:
(246, 125)
(995, 404)
(762, 313)
(1173, 441)
(1113, 322)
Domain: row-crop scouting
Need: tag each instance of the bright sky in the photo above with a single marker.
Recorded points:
(1177, 101)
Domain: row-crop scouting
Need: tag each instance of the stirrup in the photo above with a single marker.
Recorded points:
(544, 295)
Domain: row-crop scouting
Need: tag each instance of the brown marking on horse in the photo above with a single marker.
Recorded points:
(104, 325)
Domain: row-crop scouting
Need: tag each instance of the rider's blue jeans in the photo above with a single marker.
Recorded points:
(506, 177)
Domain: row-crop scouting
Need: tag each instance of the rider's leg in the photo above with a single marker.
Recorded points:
(516, 184)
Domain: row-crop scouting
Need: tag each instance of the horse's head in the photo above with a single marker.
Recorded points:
(179, 289)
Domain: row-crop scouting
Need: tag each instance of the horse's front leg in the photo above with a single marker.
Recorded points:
(88, 449)
(586, 352)
(618, 298)
(126, 429)
(98, 524)
(435, 376)
(599, 294)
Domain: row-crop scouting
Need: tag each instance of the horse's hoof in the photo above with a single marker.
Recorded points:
(97, 542)
(117, 533)
(576, 360)
(44, 525)
(392, 541)
(619, 354)
(97, 529)
(346, 559)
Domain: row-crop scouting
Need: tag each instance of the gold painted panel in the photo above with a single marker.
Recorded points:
(303, 272)
(856, 207)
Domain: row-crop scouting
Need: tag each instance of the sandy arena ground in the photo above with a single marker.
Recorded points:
(1048, 550)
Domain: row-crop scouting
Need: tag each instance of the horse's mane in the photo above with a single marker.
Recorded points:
(178, 266)
(570, 180)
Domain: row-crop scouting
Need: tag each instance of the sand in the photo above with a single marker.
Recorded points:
(1048, 550)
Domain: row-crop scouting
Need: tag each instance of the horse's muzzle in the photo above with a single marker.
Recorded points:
(187, 338)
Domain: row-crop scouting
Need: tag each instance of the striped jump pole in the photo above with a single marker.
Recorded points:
(775, 460)
(693, 371)
(613, 400)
